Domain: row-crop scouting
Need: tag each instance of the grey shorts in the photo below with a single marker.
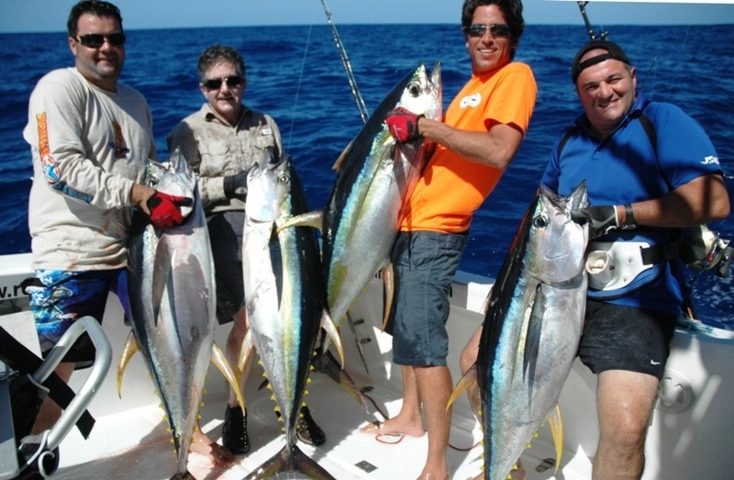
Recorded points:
(425, 264)
(626, 338)
(225, 233)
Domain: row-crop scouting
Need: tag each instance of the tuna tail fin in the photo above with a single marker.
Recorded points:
(290, 459)
(130, 348)
(220, 361)
(467, 382)
(555, 423)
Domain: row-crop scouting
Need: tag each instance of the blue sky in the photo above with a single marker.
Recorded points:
(50, 15)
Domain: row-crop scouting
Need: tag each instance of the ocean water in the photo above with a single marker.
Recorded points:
(295, 74)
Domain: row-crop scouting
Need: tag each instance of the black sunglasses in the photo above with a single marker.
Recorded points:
(496, 29)
(216, 83)
(96, 40)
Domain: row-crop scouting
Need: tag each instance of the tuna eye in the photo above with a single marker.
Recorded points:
(284, 179)
(414, 89)
(541, 221)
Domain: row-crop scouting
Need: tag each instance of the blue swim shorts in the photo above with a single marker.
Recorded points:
(425, 264)
(225, 234)
(58, 298)
(618, 337)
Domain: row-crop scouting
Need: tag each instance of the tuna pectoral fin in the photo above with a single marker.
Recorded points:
(328, 325)
(555, 423)
(532, 336)
(161, 272)
(388, 292)
(220, 361)
(290, 459)
(467, 382)
(313, 219)
(130, 348)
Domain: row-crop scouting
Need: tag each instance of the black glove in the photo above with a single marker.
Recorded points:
(235, 186)
(602, 219)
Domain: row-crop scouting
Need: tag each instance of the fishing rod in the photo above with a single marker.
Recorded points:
(589, 29)
(347, 66)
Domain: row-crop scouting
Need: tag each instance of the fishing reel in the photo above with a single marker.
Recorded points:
(701, 249)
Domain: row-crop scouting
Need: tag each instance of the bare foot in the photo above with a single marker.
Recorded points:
(393, 426)
(218, 455)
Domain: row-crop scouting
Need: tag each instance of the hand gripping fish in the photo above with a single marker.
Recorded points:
(531, 330)
(285, 300)
(374, 177)
(172, 302)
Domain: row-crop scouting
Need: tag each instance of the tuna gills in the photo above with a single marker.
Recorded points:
(285, 300)
(172, 302)
(375, 175)
(532, 327)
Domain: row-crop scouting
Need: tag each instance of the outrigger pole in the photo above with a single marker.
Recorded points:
(589, 29)
(347, 65)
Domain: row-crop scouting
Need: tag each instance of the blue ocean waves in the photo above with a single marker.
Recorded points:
(296, 75)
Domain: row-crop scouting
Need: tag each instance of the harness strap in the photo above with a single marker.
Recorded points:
(19, 358)
(659, 253)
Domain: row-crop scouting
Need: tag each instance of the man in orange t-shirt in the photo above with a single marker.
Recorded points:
(483, 128)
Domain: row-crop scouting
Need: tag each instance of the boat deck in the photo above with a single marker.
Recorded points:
(688, 436)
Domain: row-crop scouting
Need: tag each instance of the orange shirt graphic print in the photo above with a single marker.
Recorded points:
(50, 166)
(120, 147)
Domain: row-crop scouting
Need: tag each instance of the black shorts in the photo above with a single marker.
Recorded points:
(626, 338)
(225, 233)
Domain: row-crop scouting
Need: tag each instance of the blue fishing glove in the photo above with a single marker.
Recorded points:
(235, 186)
(165, 210)
(403, 124)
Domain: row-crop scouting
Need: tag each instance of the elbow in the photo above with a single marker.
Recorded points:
(718, 206)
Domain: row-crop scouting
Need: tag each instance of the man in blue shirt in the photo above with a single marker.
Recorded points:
(651, 170)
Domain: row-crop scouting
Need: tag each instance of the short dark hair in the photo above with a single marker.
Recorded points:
(217, 53)
(97, 8)
(511, 9)
(614, 51)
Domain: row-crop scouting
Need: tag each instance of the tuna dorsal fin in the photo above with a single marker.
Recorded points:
(555, 423)
(467, 381)
(245, 358)
(342, 157)
(388, 289)
(328, 325)
(220, 361)
(128, 351)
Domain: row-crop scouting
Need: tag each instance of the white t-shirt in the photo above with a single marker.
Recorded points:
(89, 147)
